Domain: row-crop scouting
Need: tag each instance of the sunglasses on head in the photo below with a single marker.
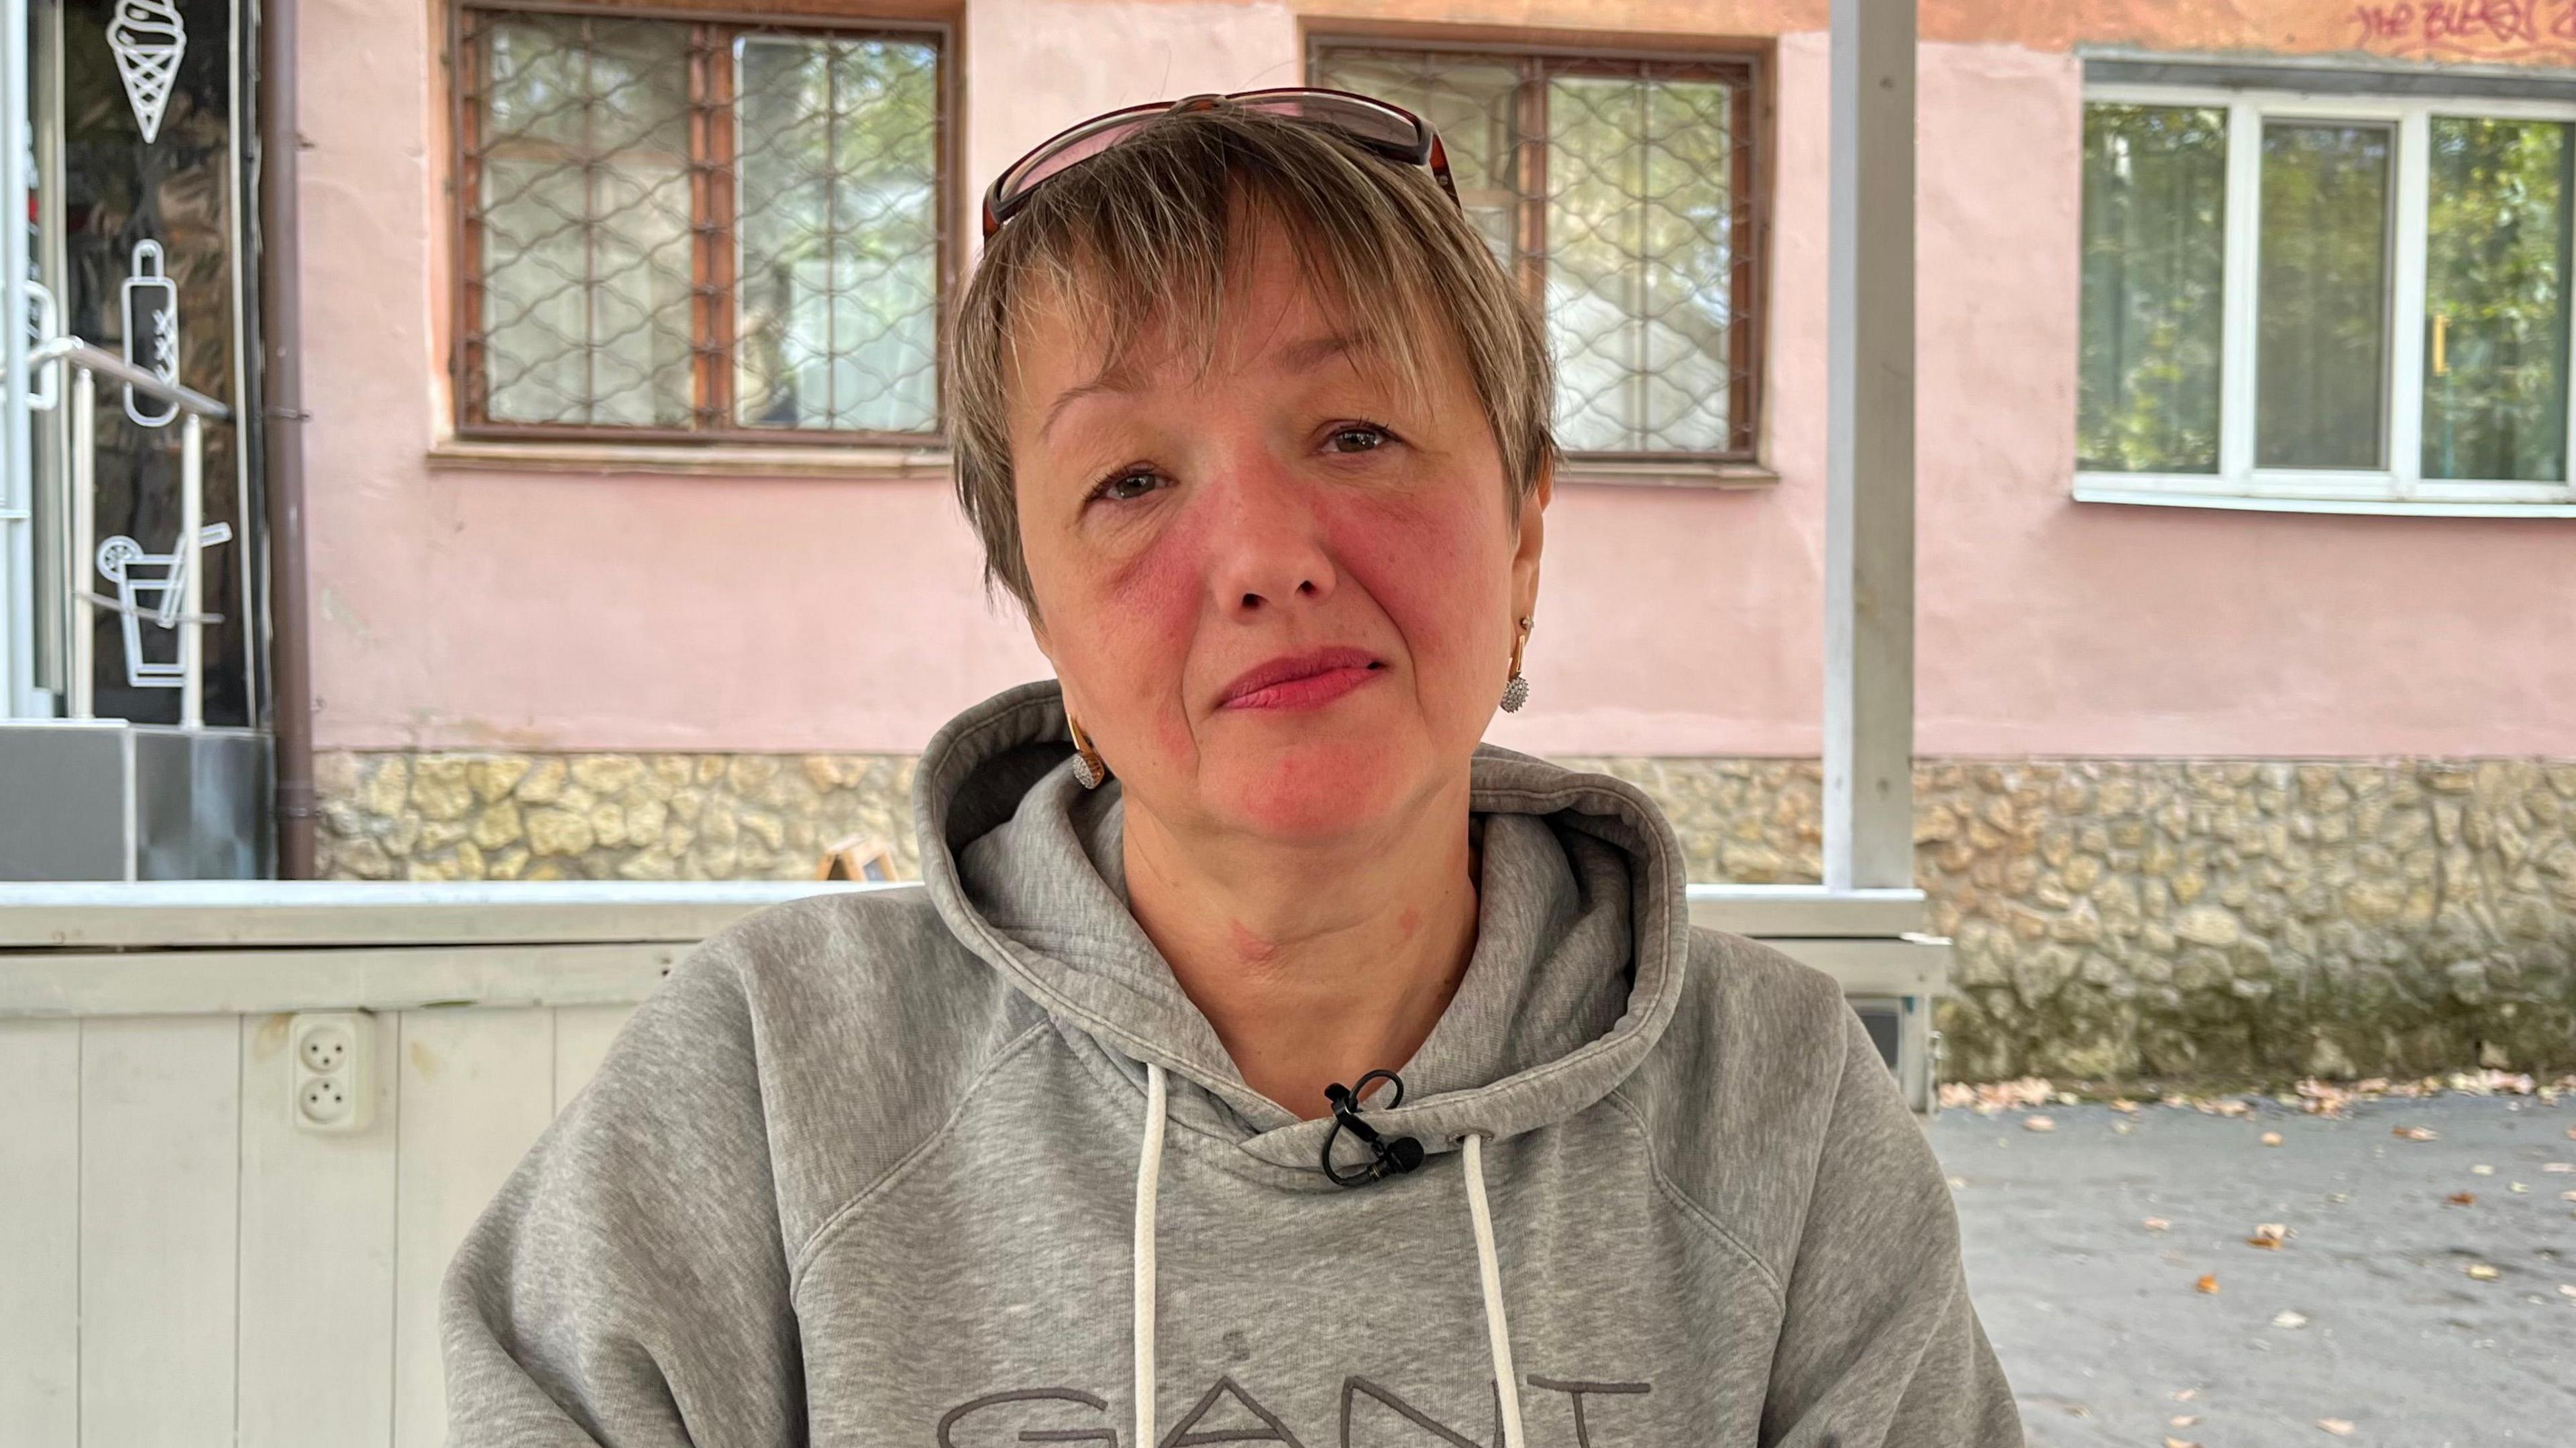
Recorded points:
(1387, 130)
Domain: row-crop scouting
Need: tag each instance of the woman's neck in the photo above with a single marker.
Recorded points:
(1315, 963)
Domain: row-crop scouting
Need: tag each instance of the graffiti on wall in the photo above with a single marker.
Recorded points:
(2501, 30)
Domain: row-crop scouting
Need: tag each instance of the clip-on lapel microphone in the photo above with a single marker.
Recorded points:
(1401, 1154)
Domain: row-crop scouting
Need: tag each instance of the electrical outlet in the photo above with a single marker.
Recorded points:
(326, 1048)
(324, 1102)
(332, 1056)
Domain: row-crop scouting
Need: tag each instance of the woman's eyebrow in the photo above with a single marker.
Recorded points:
(1115, 380)
(1299, 356)
(1314, 351)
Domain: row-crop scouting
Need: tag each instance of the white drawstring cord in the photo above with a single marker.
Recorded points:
(1149, 1172)
(1489, 1267)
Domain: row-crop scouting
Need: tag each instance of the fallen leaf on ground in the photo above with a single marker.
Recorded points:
(2489, 1082)
(2185, 1395)
(2340, 1427)
(2571, 1133)
(2268, 1235)
(2182, 1420)
(2567, 1196)
(2558, 1166)
(2121, 1128)
(2338, 1196)
(2179, 1443)
(2271, 1138)
(2413, 1133)
(2322, 1099)
(2567, 1289)
(2482, 1169)
(2124, 1105)
(2038, 1123)
(2462, 1199)
(2208, 1283)
(2288, 1318)
(2156, 1224)
(1993, 1096)
(2484, 1272)
(2516, 1187)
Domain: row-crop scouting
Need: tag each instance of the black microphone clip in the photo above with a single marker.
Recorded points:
(1386, 1156)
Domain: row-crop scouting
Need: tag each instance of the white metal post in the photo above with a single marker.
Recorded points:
(1869, 510)
(17, 471)
(80, 571)
(192, 558)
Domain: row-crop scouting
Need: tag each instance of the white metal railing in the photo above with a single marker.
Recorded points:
(182, 589)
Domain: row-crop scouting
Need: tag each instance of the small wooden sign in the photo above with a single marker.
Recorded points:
(856, 857)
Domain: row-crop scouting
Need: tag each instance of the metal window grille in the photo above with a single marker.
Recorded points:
(1623, 192)
(689, 229)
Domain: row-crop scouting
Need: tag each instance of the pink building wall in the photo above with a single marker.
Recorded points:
(606, 609)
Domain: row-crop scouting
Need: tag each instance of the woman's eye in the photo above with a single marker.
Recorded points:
(1373, 436)
(1117, 486)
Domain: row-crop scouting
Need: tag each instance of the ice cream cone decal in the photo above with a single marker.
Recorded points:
(148, 38)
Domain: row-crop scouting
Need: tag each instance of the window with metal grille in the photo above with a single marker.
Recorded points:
(1622, 191)
(693, 229)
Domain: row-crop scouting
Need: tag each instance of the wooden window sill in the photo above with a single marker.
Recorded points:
(1733, 476)
(714, 460)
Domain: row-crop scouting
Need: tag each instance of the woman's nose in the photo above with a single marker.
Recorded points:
(1267, 544)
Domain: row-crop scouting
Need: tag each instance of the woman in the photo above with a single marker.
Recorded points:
(1061, 1147)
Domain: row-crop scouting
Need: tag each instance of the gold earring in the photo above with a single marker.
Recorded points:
(1516, 691)
(1088, 766)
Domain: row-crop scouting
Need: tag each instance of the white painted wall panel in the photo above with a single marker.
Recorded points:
(317, 1257)
(160, 1158)
(476, 1089)
(40, 1232)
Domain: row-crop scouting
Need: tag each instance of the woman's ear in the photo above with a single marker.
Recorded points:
(1532, 537)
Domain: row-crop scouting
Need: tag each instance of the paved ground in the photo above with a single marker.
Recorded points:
(2102, 1329)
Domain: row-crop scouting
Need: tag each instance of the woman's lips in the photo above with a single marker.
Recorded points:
(1299, 680)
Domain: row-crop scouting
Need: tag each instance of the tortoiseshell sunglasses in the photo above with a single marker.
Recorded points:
(1388, 130)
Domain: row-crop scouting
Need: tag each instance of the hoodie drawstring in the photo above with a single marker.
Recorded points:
(1149, 1172)
(1489, 1268)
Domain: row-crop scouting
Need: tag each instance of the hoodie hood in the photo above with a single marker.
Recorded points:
(1582, 936)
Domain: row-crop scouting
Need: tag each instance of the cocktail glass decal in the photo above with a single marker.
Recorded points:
(151, 586)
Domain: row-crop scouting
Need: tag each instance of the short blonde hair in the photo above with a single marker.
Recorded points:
(1151, 228)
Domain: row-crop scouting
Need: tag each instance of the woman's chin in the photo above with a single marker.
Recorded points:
(1315, 792)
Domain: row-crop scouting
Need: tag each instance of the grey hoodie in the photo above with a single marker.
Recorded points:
(961, 1165)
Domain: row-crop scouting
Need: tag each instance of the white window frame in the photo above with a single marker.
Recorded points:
(2401, 487)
